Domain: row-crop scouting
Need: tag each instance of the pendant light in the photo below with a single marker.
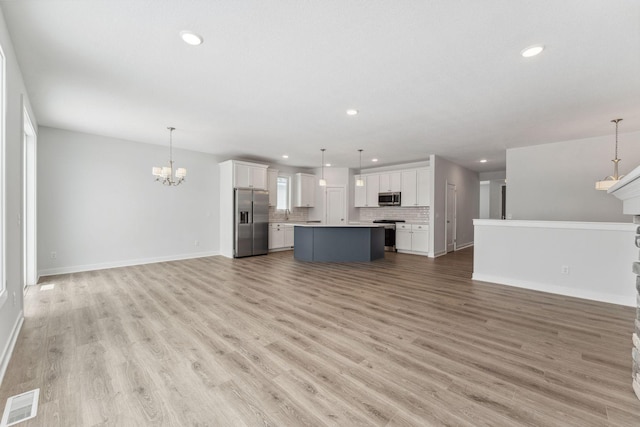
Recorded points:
(322, 182)
(610, 181)
(165, 174)
(360, 181)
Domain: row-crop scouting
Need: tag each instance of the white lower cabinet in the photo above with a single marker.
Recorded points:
(412, 238)
(280, 236)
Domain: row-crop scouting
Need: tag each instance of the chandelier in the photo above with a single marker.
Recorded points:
(165, 174)
(610, 181)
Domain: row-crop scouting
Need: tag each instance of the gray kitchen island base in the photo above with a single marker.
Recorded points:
(323, 243)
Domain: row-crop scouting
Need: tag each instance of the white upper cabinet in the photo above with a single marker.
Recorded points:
(272, 179)
(390, 182)
(305, 190)
(408, 195)
(416, 187)
(372, 186)
(249, 175)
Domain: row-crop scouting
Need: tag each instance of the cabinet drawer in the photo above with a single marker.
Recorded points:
(402, 226)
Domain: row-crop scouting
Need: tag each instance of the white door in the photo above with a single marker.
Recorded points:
(336, 212)
(450, 216)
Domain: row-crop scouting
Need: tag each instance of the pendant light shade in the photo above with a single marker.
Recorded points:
(611, 180)
(360, 181)
(322, 182)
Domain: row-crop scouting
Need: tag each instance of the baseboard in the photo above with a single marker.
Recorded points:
(402, 251)
(8, 349)
(124, 263)
(464, 245)
(437, 254)
(553, 289)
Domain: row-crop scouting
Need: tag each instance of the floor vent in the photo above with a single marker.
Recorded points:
(20, 408)
(47, 287)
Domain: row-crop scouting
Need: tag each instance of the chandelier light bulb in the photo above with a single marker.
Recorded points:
(164, 174)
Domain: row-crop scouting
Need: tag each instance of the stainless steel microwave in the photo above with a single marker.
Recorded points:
(389, 199)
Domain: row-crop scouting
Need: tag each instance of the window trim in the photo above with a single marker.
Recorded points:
(289, 184)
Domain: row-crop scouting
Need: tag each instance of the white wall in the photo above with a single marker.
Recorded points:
(556, 181)
(98, 204)
(531, 254)
(11, 310)
(484, 200)
(468, 202)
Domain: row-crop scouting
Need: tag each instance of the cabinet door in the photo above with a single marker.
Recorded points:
(271, 236)
(258, 178)
(360, 193)
(385, 182)
(309, 190)
(372, 185)
(242, 176)
(420, 238)
(403, 239)
(305, 190)
(288, 236)
(277, 232)
(423, 187)
(408, 196)
(272, 178)
(395, 181)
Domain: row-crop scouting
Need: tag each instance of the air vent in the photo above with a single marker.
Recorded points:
(47, 287)
(20, 408)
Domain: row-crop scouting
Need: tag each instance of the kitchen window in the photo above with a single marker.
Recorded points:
(283, 193)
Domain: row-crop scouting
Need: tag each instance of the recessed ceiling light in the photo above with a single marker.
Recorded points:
(483, 161)
(374, 160)
(191, 38)
(328, 165)
(532, 50)
(352, 112)
(285, 156)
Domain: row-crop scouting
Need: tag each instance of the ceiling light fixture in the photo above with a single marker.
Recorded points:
(322, 181)
(532, 50)
(165, 174)
(352, 112)
(374, 160)
(191, 38)
(285, 156)
(610, 181)
(360, 181)
(483, 161)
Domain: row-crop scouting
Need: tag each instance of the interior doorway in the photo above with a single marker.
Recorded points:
(450, 217)
(28, 215)
(335, 206)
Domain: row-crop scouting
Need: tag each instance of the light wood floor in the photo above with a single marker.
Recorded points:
(268, 341)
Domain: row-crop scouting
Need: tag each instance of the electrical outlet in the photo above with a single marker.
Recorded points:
(54, 255)
(564, 269)
(196, 243)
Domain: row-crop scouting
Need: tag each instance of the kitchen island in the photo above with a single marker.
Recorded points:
(338, 243)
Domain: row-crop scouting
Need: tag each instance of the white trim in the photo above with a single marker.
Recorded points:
(567, 225)
(466, 245)
(124, 263)
(559, 290)
(11, 343)
(403, 251)
(441, 253)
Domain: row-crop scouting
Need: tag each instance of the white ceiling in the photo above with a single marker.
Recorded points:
(438, 77)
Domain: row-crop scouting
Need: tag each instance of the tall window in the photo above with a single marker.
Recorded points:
(283, 192)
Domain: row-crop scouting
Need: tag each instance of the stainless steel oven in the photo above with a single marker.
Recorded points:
(389, 233)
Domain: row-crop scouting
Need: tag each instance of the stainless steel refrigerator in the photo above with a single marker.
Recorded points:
(251, 219)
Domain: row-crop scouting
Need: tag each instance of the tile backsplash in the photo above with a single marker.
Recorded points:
(419, 214)
(296, 214)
